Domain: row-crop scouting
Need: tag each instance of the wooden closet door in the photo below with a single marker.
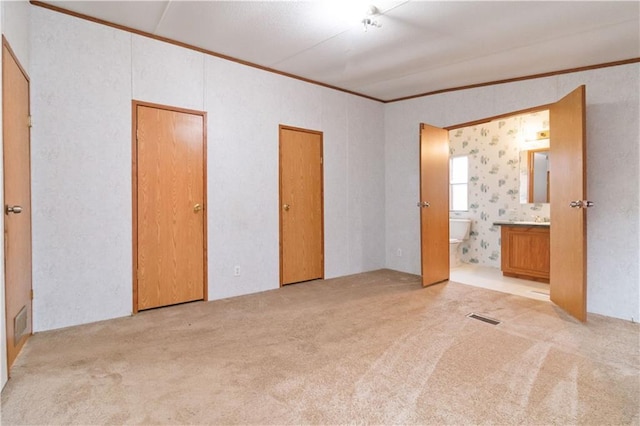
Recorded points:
(17, 203)
(170, 207)
(301, 213)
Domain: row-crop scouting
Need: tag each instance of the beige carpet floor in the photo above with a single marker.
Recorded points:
(372, 348)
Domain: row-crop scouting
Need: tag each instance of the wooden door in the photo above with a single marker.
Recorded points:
(170, 225)
(568, 288)
(17, 202)
(301, 206)
(434, 204)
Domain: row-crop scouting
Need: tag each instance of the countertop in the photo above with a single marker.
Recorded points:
(521, 223)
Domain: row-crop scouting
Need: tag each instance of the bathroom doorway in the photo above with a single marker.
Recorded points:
(489, 183)
(567, 268)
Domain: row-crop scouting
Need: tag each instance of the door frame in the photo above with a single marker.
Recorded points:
(449, 129)
(8, 322)
(134, 192)
(315, 132)
(520, 112)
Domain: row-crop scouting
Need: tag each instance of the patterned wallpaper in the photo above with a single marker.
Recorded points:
(494, 180)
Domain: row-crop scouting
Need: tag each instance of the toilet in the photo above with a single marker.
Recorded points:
(458, 232)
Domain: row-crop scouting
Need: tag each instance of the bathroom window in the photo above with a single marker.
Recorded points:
(459, 183)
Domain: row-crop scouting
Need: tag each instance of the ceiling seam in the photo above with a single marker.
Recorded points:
(309, 48)
(164, 13)
(486, 55)
(332, 37)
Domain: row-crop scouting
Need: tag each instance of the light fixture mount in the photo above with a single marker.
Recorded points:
(370, 19)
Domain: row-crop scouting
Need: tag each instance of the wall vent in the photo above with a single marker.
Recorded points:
(483, 318)
(19, 325)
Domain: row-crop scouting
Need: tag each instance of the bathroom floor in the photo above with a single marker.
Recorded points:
(492, 279)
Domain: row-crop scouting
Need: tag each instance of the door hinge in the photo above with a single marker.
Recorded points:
(29, 124)
(137, 134)
(31, 294)
(321, 160)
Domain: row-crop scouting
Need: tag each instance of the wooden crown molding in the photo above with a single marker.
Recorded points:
(514, 79)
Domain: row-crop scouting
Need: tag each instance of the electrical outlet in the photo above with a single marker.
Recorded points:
(236, 271)
(399, 252)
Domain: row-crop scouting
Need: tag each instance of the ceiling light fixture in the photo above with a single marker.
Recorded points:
(370, 19)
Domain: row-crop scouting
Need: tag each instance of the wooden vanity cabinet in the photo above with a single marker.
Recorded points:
(525, 252)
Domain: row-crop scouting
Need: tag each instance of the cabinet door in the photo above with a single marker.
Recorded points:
(525, 252)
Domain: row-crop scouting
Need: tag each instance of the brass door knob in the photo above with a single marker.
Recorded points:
(12, 209)
(581, 204)
(197, 208)
(286, 207)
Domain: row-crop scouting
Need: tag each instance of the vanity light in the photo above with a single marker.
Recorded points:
(543, 134)
(540, 136)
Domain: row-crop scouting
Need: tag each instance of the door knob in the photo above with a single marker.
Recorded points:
(286, 207)
(12, 209)
(197, 208)
(581, 204)
(426, 204)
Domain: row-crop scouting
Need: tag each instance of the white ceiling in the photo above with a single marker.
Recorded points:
(422, 46)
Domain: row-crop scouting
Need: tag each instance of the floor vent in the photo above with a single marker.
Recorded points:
(483, 318)
(19, 325)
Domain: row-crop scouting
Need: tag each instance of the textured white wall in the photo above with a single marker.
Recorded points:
(81, 171)
(17, 29)
(366, 197)
(166, 74)
(612, 171)
(85, 76)
(245, 107)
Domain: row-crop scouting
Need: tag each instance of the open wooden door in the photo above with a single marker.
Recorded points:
(434, 204)
(568, 203)
(17, 203)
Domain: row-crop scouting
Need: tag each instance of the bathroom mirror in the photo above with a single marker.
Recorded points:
(534, 176)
